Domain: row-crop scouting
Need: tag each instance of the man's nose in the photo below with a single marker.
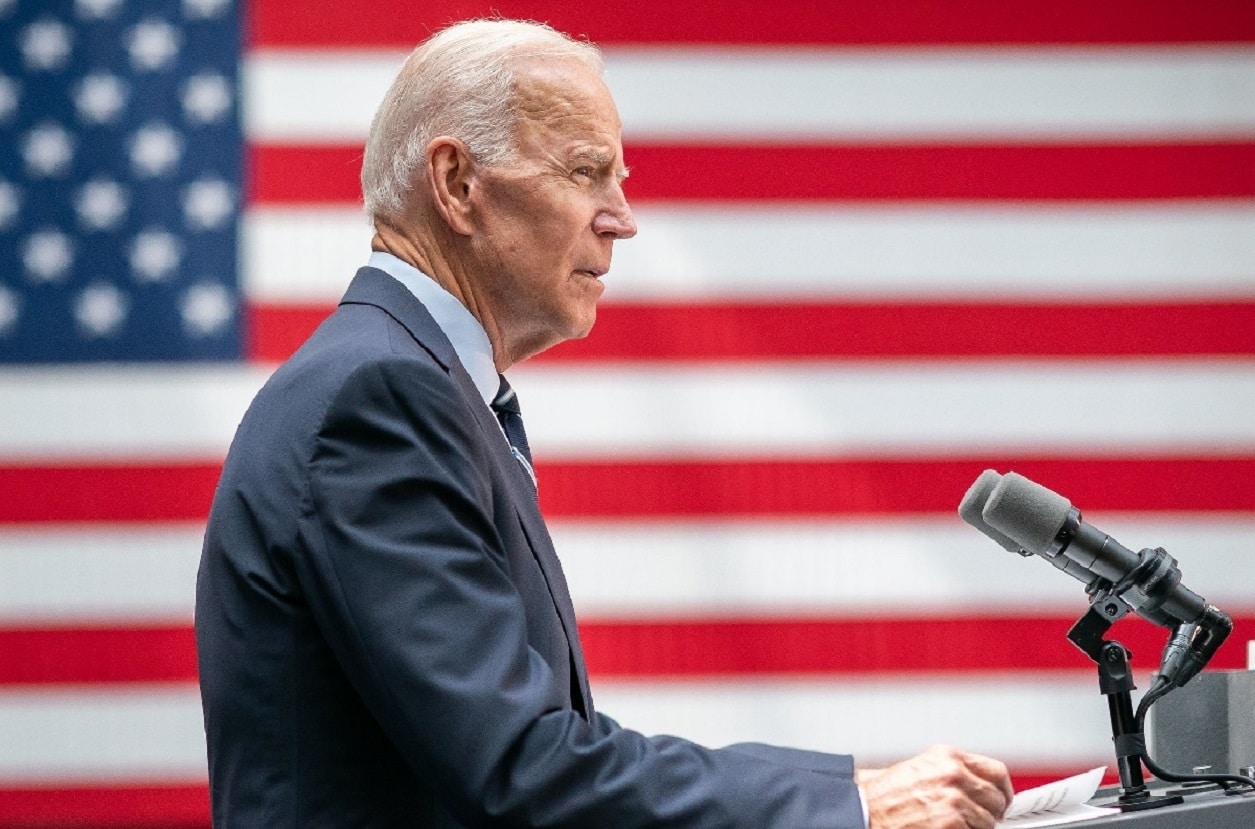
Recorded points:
(615, 219)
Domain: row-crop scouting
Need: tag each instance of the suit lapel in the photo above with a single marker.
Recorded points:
(547, 557)
(528, 511)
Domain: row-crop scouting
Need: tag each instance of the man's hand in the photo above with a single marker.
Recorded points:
(943, 788)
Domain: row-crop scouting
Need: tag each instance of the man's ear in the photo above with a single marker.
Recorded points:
(450, 173)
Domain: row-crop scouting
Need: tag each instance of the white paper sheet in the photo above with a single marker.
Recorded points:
(1058, 803)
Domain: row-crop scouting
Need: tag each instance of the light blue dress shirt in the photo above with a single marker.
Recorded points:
(468, 337)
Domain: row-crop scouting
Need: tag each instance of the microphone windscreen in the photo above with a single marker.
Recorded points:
(973, 504)
(1027, 513)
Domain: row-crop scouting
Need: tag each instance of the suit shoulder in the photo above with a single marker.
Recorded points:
(354, 358)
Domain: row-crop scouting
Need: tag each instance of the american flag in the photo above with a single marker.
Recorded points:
(884, 244)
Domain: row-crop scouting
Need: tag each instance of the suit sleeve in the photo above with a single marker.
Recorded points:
(406, 576)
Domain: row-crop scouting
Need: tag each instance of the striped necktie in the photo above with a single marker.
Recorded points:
(506, 406)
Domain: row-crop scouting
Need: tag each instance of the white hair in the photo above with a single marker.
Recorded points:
(462, 83)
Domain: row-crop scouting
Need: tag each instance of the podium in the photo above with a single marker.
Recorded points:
(1202, 810)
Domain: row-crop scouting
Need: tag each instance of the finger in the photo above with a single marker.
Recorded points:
(970, 783)
(989, 798)
(993, 771)
(962, 807)
(980, 819)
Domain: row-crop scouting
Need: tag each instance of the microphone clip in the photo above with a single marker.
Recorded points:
(1115, 682)
(1105, 609)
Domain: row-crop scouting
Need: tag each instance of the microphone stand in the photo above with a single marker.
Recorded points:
(1115, 682)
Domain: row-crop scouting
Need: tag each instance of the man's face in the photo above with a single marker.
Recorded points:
(549, 217)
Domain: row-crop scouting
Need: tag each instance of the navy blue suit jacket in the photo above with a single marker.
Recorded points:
(385, 635)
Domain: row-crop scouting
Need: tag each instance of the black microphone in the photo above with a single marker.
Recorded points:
(972, 510)
(1045, 523)
(973, 504)
(1023, 516)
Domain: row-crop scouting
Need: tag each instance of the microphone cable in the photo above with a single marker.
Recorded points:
(1158, 689)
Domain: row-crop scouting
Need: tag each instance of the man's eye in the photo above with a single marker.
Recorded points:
(584, 172)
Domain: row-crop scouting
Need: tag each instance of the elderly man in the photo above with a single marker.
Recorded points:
(384, 631)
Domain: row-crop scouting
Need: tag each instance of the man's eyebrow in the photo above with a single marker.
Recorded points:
(587, 154)
(600, 158)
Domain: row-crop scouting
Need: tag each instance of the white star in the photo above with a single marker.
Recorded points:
(206, 98)
(205, 9)
(100, 98)
(206, 309)
(100, 309)
(154, 255)
(152, 44)
(47, 150)
(155, 149)
(207, 203)
(46, 44)
(8, 97)
(101, 203)
(10, 199)
(47, 256)
(97, 9)
(8, 310)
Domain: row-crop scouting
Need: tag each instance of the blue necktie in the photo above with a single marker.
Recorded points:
(506, 406)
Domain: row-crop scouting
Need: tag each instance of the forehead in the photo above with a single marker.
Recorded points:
(565, 101)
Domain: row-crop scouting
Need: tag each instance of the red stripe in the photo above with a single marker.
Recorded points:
(657, 649)
(130, 806)
(671, 488)
(65, 655)
(851, 329)
(709, 331)
(187, 807)
(1025, 777)
(281, 174)
(298, 174)
(653, 488)
(852, 173)
(934, 644)
(107, 492)
(275, 23)
(272, 333)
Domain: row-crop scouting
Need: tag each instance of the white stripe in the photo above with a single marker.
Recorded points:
(905, 566)
(302, 254)
(968, 93)
(314, 96)
(155, 733)
(742, 409)
(1127, 250)
(1044, 720)
(102, 735)
(864, 568)
(101, 574)
(845, 94)
(745, 410)
(123, 412)
(1120, 251)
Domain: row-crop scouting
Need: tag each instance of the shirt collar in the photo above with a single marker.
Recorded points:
(468, 337)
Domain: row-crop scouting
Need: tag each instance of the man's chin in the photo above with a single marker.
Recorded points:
(583, 330)
(581, 322)
(571, 327)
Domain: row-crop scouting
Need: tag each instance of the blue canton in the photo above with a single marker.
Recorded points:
(120, 180)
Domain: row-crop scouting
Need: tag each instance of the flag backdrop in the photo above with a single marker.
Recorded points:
(883, 246)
